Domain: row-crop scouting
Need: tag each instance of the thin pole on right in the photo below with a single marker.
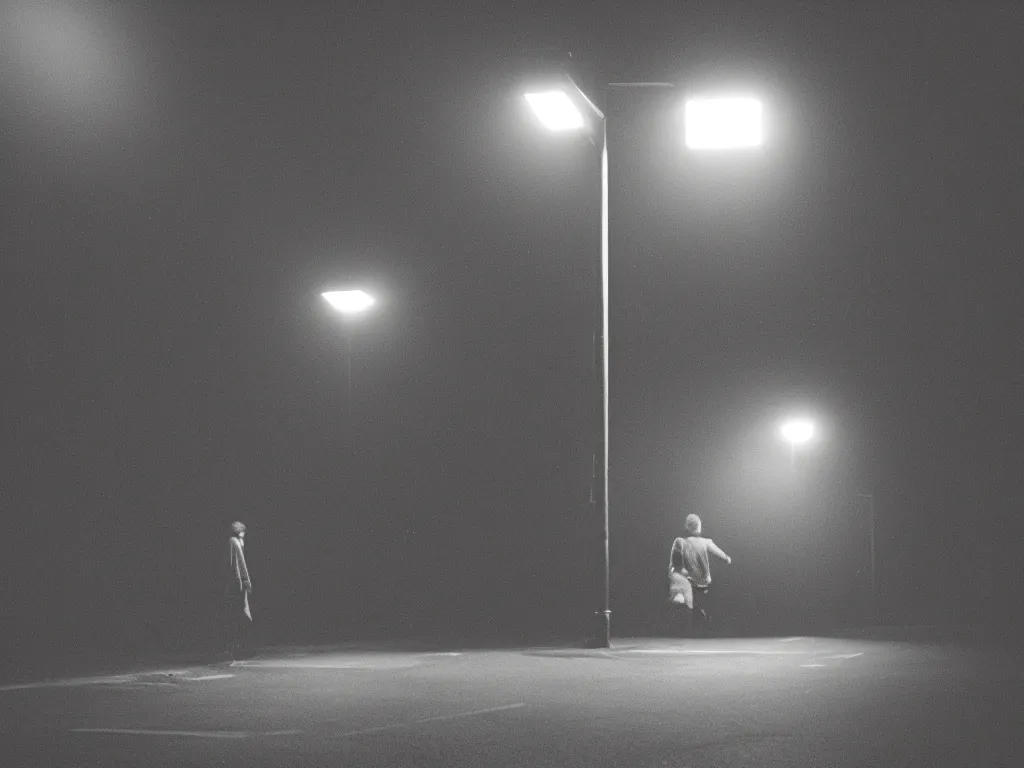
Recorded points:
(871, 509)
(348, 364)
(872, 577)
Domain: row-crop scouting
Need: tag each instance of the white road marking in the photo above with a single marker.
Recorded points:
(812, 665)
(717, 652)
(63, 683)
(133, 679)
(143, 732)
(428, 720)
(845, 655)
(470, 713)
(208, 677)
(132, 686)
(789, 639)
(187, 734)
(295, 664)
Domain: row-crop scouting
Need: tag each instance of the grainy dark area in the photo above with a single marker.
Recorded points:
(180, 182)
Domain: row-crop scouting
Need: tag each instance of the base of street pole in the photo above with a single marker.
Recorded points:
(602, 630)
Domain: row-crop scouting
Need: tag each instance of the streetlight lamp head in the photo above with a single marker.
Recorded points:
(349, 302)
(797, 431)
(733, 122)
(556, 111)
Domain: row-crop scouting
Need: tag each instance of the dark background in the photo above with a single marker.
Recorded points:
(180, 182)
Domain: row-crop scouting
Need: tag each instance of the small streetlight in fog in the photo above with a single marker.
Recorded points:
(796, 431)
(349, 302)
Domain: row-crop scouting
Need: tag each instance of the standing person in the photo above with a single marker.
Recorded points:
(238, 615)
(693, 552)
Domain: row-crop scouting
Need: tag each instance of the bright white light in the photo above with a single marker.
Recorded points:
(724, 123)
(797, 431)
(349, 302)
(556, 111)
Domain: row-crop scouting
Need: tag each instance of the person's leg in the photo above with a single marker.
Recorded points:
(710, 606)
(686, 621)
(244, 637)
(700, 617)
(233, 629)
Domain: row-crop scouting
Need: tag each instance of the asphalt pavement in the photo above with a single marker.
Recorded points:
(781, 701)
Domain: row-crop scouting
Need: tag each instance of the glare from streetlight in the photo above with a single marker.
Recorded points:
(797, 431)
(349, 302)
(732, 122)
(556, 111)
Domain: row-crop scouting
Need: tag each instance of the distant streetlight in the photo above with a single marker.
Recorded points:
(349, 303)
(796, 431)
(800, 431)
(710, 124)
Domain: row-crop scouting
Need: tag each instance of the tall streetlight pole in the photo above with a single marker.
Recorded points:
(721, 123)
(557, 111)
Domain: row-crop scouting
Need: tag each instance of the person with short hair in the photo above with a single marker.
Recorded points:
(238, 614)
(690, 558)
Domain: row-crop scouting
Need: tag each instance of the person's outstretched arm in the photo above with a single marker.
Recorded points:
(717, 552)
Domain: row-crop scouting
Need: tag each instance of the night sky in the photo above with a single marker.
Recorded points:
(179, 183)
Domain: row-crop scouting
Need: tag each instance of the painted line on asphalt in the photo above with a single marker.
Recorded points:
(812, 665)
(435, 719)
(185, 734)
(328, 665)
(132, 679)
(139, 684)
(209, 677)
(789, 639)
(845, 655)
(145, 732)
(716, 652)
(471, 713)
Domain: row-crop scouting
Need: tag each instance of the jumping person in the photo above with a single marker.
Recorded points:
(691, 552)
